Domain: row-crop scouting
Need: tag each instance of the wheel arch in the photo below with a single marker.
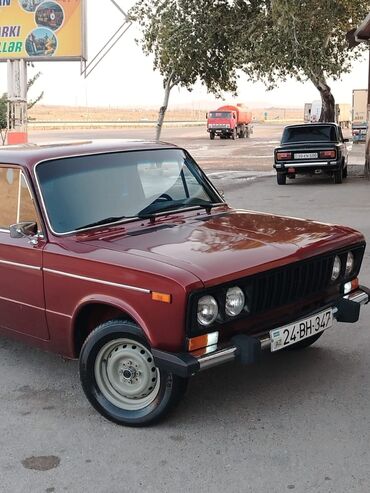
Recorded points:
(95, 310)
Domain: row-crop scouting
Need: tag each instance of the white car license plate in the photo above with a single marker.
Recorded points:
(307, 327)
(306, 155)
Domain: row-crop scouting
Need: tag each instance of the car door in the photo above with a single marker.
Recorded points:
(22, 305)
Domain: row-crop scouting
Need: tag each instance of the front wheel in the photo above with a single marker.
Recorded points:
(120, 379)
(305, 342)
(211, 135)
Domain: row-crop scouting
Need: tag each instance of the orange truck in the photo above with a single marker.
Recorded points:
(230, 122)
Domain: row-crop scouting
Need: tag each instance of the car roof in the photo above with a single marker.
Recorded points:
(312, 125)
(28, 155)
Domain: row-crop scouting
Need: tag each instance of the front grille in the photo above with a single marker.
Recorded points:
(289, 284)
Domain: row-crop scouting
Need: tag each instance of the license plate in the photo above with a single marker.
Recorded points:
(306, 155)
(290, 334)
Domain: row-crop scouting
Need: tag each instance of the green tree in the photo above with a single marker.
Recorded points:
(3, 117)
(30, 83)
(190, 42)
(4, 106)
(304, 39)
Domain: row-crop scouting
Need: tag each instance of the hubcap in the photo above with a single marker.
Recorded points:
(126, 374)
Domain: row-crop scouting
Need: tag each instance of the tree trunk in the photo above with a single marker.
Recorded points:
(162, 110)
(327, 99)
(3, 134)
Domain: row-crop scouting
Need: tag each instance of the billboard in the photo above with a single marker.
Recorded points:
(42, 30)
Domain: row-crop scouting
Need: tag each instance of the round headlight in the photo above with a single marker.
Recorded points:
(235, 301)
(207, 310)
(336, 268)
(350, 264)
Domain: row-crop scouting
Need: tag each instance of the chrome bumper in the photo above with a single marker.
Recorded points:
(246, 348)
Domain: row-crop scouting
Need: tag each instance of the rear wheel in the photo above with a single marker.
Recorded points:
(345, 172)
(281, 178)
(120, 379)
(234, 134)
(338, 176)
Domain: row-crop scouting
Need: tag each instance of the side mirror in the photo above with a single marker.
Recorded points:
(207, 115)
(23, 230)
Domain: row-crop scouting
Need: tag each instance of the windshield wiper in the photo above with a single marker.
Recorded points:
(107, 220)
(150, 211)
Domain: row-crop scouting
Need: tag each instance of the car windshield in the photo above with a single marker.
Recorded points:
(220, 114)
(82, 192)
(310, 133)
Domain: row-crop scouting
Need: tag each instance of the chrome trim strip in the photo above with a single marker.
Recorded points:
(217, 358)
(358, 297)
(16, 264)
(58, 314)
(99, 281)
(297, 165)
(41, 308)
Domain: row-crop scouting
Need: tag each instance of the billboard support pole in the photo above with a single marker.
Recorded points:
(17, 102)
(87, 68)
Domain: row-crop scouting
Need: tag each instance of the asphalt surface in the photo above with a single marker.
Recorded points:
(297, 421)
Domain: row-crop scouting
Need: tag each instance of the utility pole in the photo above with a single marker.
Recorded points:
(17, 102)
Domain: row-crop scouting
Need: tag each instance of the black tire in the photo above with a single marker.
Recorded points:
(168, 389)
(345, 172)
(281, 178)
(338, 176)
(305, 343)
(234, 134)
(211, 135)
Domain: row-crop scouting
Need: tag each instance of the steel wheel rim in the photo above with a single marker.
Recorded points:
(126, 374)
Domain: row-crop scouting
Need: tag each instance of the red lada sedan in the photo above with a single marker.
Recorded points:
(124, 255)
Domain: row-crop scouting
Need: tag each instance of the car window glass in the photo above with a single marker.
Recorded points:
(27, 211)
(83, 190)
(310, 133)
(9, 187)
(176, 181)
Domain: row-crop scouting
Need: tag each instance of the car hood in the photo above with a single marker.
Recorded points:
(223, 246)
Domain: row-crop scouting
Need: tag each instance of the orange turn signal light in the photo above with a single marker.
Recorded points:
(163, 297)
(351, 286)
(355, 284)
(202, 341)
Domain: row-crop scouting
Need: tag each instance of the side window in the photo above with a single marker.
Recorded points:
(9, 188)
(16, 204)
(27, 211)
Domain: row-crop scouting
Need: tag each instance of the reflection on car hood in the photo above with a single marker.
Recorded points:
(221, 247)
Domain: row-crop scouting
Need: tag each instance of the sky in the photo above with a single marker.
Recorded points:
(125, 78)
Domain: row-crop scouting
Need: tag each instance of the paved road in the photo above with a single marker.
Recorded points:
(297, 421)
